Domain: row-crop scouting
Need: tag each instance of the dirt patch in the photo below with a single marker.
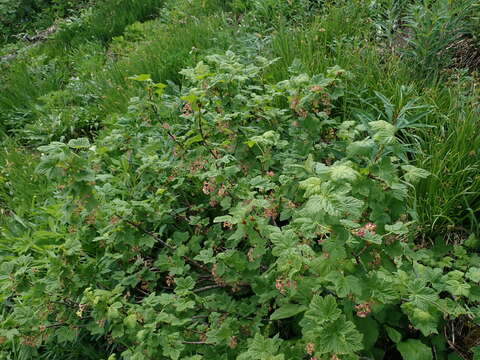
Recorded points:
(466, 53)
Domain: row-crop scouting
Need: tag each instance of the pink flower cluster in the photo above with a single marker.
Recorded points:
(370, 227)
(310, 348)
(363, 310)
(282, 285)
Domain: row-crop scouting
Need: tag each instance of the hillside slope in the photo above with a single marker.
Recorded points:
(216, 179)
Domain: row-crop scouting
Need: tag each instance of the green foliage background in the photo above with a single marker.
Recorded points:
(241, 180)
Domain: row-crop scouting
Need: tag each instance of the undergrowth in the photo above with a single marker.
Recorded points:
(210, 179)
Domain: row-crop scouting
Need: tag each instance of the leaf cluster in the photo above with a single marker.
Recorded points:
(231, 219)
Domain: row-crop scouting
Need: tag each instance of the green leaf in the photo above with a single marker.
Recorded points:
(287, 311)
(333, 204)
(205, 256)
(184, 285)
(425, 319)
(262, 348)
(141, 77)
(414, 174)
(476, 353)
(268, 138)
(311, 186)
(338, 337)
(414, 350)
(393, 334)
(360, 148)
(324, 307)
(472, 241)
(384, 132)
(344, 285)
(224, 218)
(309, 164)
(473, 274)
(399, 228)
(458, 288)
(113, 311)
(342, 172)
(368, 327)
(193, 140)
(130, 321)
(79, 143)
(65, 334)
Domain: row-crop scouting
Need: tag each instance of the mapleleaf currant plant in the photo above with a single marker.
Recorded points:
(234, 220)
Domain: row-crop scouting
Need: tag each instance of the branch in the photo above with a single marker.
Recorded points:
(138, 227)
(156, 237)
(204, 140)
(209, 287)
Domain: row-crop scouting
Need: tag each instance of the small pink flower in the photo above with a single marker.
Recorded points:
(310, 348)
(371, 227)
(360, 233)
(363, 310)
(280, 286)
(208, 187)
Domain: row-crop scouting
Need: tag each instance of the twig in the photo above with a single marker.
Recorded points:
(156, 237)
(452, 344)
(209, 287)
(138, 227)
(175, 139)
(155, 111)
(204, 140)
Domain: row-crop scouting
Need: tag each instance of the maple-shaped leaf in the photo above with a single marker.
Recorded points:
(323, 309)
(384, 132)
(262, 348)
(473, 274)
(458, 288)
(311, 186)
(332, 200)
(424, 319)
(421, 295)
(340, 337)
(414, 174)
(343, 172)
(324, 325)
(360, 148)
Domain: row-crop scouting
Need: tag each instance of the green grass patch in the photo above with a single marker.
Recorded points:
(210, 179)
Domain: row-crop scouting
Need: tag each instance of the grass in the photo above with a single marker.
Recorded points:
(30, 16)
(21, 190)
(104, 21)
(450, 198)
(25, 81)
